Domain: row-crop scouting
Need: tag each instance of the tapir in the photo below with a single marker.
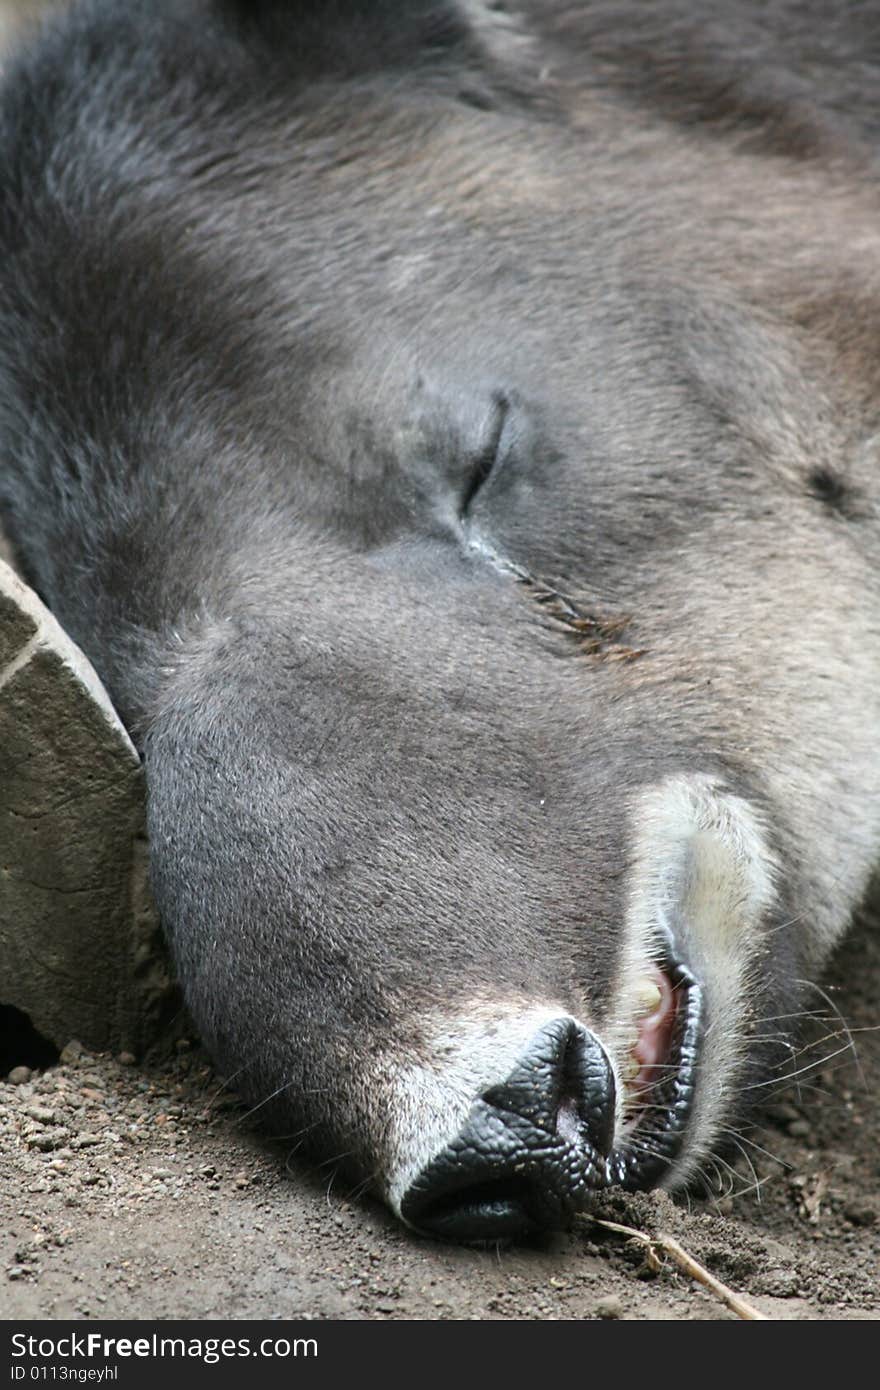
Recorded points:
(451, 429)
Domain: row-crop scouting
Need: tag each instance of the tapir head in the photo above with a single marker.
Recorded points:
(464, 526)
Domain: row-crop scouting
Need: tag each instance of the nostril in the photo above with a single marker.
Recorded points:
(568, 1120)
(583, 1091)
(563, 1085)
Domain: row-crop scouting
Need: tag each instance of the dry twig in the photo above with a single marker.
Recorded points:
(661, 1244)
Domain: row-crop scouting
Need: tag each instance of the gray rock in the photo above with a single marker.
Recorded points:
(80, 945)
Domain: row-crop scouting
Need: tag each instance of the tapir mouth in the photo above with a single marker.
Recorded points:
(537, 1148)
(660, 1098)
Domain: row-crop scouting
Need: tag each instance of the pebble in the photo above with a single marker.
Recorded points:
(41, 1115)
(85, 1141)
(45, 1142)
(19, 1076)
(610, 1307)
(799, 1129)
(72, 1052)
(126, 1059)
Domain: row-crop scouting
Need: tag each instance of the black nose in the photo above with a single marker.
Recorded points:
(532, 1150)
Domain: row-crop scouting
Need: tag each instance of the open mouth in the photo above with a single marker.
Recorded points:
(661, 1078)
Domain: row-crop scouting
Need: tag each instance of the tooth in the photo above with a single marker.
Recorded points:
(648, 996)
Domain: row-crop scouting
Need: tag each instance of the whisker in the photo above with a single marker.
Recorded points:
(227, 1082)
(265, 1101)
(823, 994)
(812, 1066)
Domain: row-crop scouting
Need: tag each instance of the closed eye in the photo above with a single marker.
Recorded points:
(486, 460)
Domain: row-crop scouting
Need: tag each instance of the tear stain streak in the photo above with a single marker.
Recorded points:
(595, 634)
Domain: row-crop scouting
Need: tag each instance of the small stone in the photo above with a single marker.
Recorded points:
(19, 1076)
(41, 1115)
(609, 1307)
(799, 1129)
(16, 1272)
(85, 1141)
(44, 1142)
(72, 1052)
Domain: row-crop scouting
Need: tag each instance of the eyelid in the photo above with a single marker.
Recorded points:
(485, 461)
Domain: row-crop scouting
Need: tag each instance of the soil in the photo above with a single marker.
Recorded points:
(143, 1191)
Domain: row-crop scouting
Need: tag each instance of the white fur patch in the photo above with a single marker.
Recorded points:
(702, 864)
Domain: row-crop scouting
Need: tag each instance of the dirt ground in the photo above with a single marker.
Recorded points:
(143, 1192)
